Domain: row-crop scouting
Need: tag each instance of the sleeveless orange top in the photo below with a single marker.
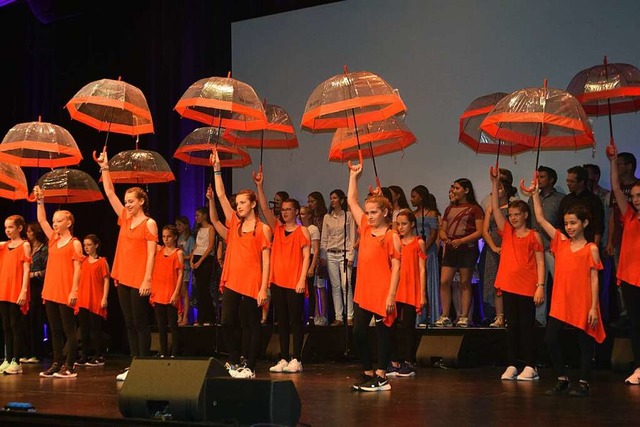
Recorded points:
(11, 273)
(286, 256)
(517, 270)
(58, 281)
(130, 259)
(242, 271)
(571, 295)
(166, 271)
(374, 271)
(92, 276)
(628, 265)
(409, 286)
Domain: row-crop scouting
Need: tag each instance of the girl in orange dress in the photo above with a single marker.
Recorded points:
(133, 260)
(60, 289)
(165, 289)
(377, 284)
(15, 263)
(574, 298)
(411, 297)
(628, 273)
(245, 273)
(92, 302)
(519, 279)
(290, 255)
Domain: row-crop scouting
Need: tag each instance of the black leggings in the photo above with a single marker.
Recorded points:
(520, 312)
(241, 326)
(403, 334)
(361, 319)
(203, 276)
(631, 295)
(12, 328)
(288, 306)
(63, 325)
(167, 315)
(91, 333)
(135, 310)
(311, 289)
(552, 339)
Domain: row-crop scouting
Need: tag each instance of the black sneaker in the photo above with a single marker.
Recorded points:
(49, 372)
(95, 361)
(561, 387)
(582, 391)
(406, 370)
(364, 378)
(66, 372)
(82, 361)
(376, 384)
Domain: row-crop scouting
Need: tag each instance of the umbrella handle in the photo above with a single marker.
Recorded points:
(31, 197)
(532, 187)
(610, 150)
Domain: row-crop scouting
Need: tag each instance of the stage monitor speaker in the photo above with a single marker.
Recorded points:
(441, 350)
(247, 402)
(622, 355)
(168, 388)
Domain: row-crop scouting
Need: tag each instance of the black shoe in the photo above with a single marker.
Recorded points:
(561, 387)
(82, 361)
(49, 372)
(582, 391)
(376, 384)
(364, 378)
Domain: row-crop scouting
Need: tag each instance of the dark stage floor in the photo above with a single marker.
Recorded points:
(454, 396)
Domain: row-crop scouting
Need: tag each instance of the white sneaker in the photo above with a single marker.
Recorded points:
(279, 367)
(244, 373)
(123, 376)
(634, 379)
(511, 373)
(13, 368)
(528, 374)
(293, 367)
(4, 366)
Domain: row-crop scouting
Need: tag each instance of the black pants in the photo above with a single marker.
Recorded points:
(631, 295)
(35, 321)
(288, 307)
(63, 332)
(135, 310)
(404, 335)
(311, 289)
(167, 319)
(12, 328)
(361, 319)
(203, 276)
(241, 326)
(91, 333)
(552, 339)
(520, 312)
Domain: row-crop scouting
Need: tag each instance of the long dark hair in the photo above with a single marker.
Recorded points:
(342, 197)
(402, 199)
(321, 205)
(467, 185)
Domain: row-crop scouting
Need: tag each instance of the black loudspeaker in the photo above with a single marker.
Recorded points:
(246, 402)
(443, 350)
(622, 355)
(157, 388)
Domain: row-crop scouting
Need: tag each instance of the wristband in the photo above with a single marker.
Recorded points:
(540, 285)
(106, 168)
(217, 172)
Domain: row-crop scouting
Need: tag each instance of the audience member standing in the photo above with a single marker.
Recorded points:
(202, 264)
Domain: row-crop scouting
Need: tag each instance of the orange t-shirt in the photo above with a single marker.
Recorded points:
(11, 273)
(409, 285)
(166, 271)
(571, 295)
(92, 276)
(242, 271)
(130, 261)
(58, 281)
(286, 256)
(374, 271)
(517, 271)
(628, 265)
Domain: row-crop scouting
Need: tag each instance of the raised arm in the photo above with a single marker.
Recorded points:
(213, 215)
(219, 185)
(107, 184)
(538, 211)
(621, 200)
(352, 192)
(258, 178)
(495, 204)
(42, 213)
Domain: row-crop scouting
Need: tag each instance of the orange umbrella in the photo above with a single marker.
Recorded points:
(39, 144)
(139, 167)
(13, 183)
(69, 186)
(196, 148)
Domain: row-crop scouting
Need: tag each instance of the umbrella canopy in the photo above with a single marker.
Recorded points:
(39, 144)
(350, 100)
(196, 148)
(473, 137)
(377, 138)
(69, 186)
(13, 183)
(139, 167)
(223, 102)
(279, 133)
(112, 106)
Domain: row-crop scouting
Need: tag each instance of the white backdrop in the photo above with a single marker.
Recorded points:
(440, 56)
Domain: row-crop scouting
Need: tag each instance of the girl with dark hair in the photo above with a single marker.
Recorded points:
(318, 292)
(461, 228)
(314, 236)
(185, 242)
(427, 223)
(15, 262)
(92, 302)
(203, 264)
(398, 200)
(133, 260)
(35, 318)
(245, 273)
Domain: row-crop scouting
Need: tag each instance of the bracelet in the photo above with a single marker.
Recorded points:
(106, 168)
(40, 201)
(217, 172)
(541, 285)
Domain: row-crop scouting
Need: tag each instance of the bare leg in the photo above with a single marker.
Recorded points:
(465, 290)
(446, 278)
